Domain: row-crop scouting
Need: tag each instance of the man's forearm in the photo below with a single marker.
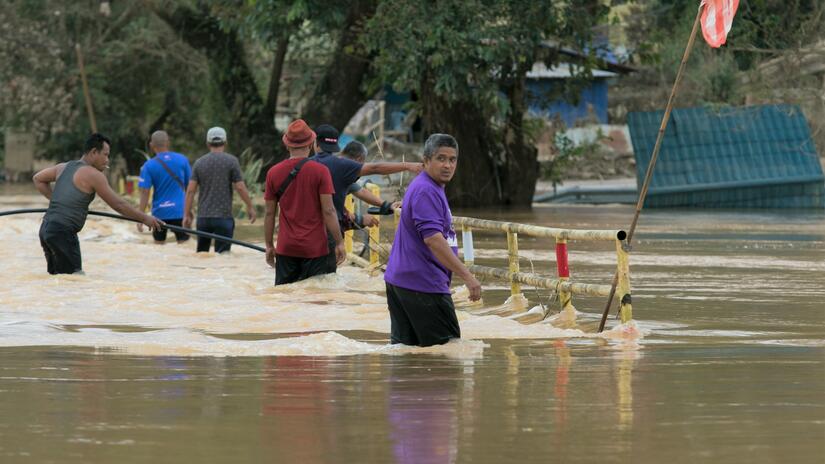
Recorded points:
(244, 193)
(187, 203)
(331, 223)
(144, 199)
(444, 254)
(384, 168)
(269, 230)
(368, 197)
(123, 207)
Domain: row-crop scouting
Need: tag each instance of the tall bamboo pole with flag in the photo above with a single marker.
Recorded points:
(716, 18)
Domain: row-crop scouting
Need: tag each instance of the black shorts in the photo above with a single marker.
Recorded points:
(290, 269)
(160, 235)
(61, 247)
(422, 319)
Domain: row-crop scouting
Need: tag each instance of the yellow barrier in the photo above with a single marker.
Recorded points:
(373, 233)
(563, 287)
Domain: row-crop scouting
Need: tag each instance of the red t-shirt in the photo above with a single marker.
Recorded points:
(302, 231)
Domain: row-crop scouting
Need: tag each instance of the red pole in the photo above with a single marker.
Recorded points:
(561, 260)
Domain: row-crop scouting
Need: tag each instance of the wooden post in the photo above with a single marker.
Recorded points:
(623, 271)
(512, 257)
(649, 174)
(375, 232)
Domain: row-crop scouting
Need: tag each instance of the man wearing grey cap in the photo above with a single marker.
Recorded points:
(216, 174)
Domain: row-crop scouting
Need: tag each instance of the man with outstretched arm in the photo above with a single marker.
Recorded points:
(425, 254)
(168, 173)
(75, 185)
(357, 152)
(345, 172)
(301, 189)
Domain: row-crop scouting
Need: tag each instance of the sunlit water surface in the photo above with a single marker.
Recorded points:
(161, 353)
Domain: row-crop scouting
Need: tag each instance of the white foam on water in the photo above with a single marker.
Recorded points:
(182, 342)
(186, 296)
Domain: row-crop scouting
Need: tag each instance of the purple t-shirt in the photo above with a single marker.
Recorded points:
(412, 265)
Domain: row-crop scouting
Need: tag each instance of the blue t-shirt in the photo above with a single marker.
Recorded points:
(167, 200)
(344, 173)
(412, 265)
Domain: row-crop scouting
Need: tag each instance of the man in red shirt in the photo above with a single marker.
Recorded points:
(303, 190)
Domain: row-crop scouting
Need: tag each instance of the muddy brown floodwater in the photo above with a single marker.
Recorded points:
(158, 353)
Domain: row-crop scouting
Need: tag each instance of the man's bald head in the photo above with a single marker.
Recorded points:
(159, 141)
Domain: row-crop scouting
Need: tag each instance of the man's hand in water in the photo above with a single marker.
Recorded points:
(474, 286)
(270, 256)
(340, 253)
(140, 227)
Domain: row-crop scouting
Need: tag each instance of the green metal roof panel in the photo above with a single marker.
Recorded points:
(730, 148)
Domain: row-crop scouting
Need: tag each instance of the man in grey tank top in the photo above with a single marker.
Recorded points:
(75, 185)
(216, 174)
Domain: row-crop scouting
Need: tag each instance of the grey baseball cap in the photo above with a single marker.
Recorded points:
(216, 135)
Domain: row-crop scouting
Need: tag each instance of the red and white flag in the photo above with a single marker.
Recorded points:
(717, 19)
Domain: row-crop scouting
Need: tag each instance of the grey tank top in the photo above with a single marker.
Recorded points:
(69, 206)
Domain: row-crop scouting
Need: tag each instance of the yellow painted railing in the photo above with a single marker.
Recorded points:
(562, 285)
(373, 233)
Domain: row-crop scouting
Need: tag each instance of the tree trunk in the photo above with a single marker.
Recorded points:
(251, 124)
(339, 94)
(521, 158)
(491, 172)
(271, 104)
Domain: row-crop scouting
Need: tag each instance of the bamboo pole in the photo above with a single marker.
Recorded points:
(538, 231)
(535, 280)
(512, 261)
(654, 156)
(374, 231)
(90, 111)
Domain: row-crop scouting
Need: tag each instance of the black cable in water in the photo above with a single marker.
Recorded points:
(168, 226)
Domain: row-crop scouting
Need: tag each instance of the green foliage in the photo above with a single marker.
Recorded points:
(140, 76)
(463, 50)
(566, 155)
(251, 171)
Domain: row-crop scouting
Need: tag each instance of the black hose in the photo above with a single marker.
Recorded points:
(168, 226)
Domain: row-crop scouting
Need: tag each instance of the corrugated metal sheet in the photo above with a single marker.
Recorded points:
(747, 157)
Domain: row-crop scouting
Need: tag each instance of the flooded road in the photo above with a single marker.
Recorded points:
(164, 354)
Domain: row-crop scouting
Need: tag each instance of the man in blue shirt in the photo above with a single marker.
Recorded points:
(168, 173)
(346, 172)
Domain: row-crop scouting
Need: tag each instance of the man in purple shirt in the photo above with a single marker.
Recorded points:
(425, 254)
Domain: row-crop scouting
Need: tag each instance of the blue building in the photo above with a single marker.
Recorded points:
(544, 85)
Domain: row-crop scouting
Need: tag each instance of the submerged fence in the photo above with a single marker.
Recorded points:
(562, 285)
